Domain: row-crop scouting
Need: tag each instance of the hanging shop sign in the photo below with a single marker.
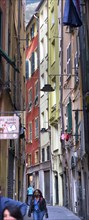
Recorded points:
(9, 127)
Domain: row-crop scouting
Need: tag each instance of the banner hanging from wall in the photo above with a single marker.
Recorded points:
(9, 127)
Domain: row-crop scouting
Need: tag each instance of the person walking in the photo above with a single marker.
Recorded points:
(30, 191)
(12, 213)
(38, 206)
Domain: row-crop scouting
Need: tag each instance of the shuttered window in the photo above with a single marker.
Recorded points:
(69, 60)
(32, 31)
(27, 69)
(43, 155)
(76, 127)
(48, 152)
(32, 63)
(69, 112)
(76, 68)
(30, 132)
(36, 128)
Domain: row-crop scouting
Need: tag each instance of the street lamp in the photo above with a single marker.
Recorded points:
(47, 88)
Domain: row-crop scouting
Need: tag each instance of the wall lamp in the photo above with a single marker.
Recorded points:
(44, 130)
(47, 88)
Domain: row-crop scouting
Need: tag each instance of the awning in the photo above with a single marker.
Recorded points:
(8, 59)
(72, 13)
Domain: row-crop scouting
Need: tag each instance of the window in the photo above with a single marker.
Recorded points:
(76, 126)
(41, 18)
(42, 120)
(45, 12)
(29, 160)
(43, 155)
(52, 17)
(32, 31)
(30, 99)
(42, 50)
(76, 68)
(36, 157)
(36, 58)
(27, 40)
(32, 63)
(69, 60)
(30, 132)
(36, 93)
(36, 128)
(42, 80)
(27, 69)
(46, 44)
(69, 116)
(52, 52)
(54, 94)
(55, 136)
(48, 152)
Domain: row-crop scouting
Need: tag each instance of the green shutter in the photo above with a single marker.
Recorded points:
(69, 110)
(76, 126)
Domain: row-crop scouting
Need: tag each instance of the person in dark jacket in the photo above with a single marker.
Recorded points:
(38, 206)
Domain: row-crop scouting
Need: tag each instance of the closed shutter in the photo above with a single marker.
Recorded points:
(32, 63)
(69, 109)
(76, 127)
(47, 185)
(27, 69)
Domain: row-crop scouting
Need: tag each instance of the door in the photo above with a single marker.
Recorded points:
(47, 186)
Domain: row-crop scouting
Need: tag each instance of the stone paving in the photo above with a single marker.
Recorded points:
(58, 213)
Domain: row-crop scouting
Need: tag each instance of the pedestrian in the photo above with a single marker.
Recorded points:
(30, 191)
(12, 213)
(5, 201)
(38, 206)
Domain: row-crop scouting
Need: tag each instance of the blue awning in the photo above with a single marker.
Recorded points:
(8, 59)
(72, 13)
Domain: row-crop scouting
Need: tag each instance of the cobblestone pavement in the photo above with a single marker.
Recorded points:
(58, 213)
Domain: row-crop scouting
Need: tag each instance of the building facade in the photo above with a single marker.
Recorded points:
(54, 101)
(63, 64)
(32, 104)
(12, 98)
(45, 148)
(75, 110)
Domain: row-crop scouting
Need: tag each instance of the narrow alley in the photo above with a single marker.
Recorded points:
(58, 213)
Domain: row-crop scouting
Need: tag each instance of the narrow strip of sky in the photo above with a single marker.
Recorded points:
(31, 5)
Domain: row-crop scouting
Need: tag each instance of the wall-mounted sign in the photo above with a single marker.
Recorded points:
(9, 127)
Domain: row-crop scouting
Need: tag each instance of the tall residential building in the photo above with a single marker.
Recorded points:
(45, 175)
(54, 100)
(12, 98)
(73, 137)
(49, 169)
(32, 104)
